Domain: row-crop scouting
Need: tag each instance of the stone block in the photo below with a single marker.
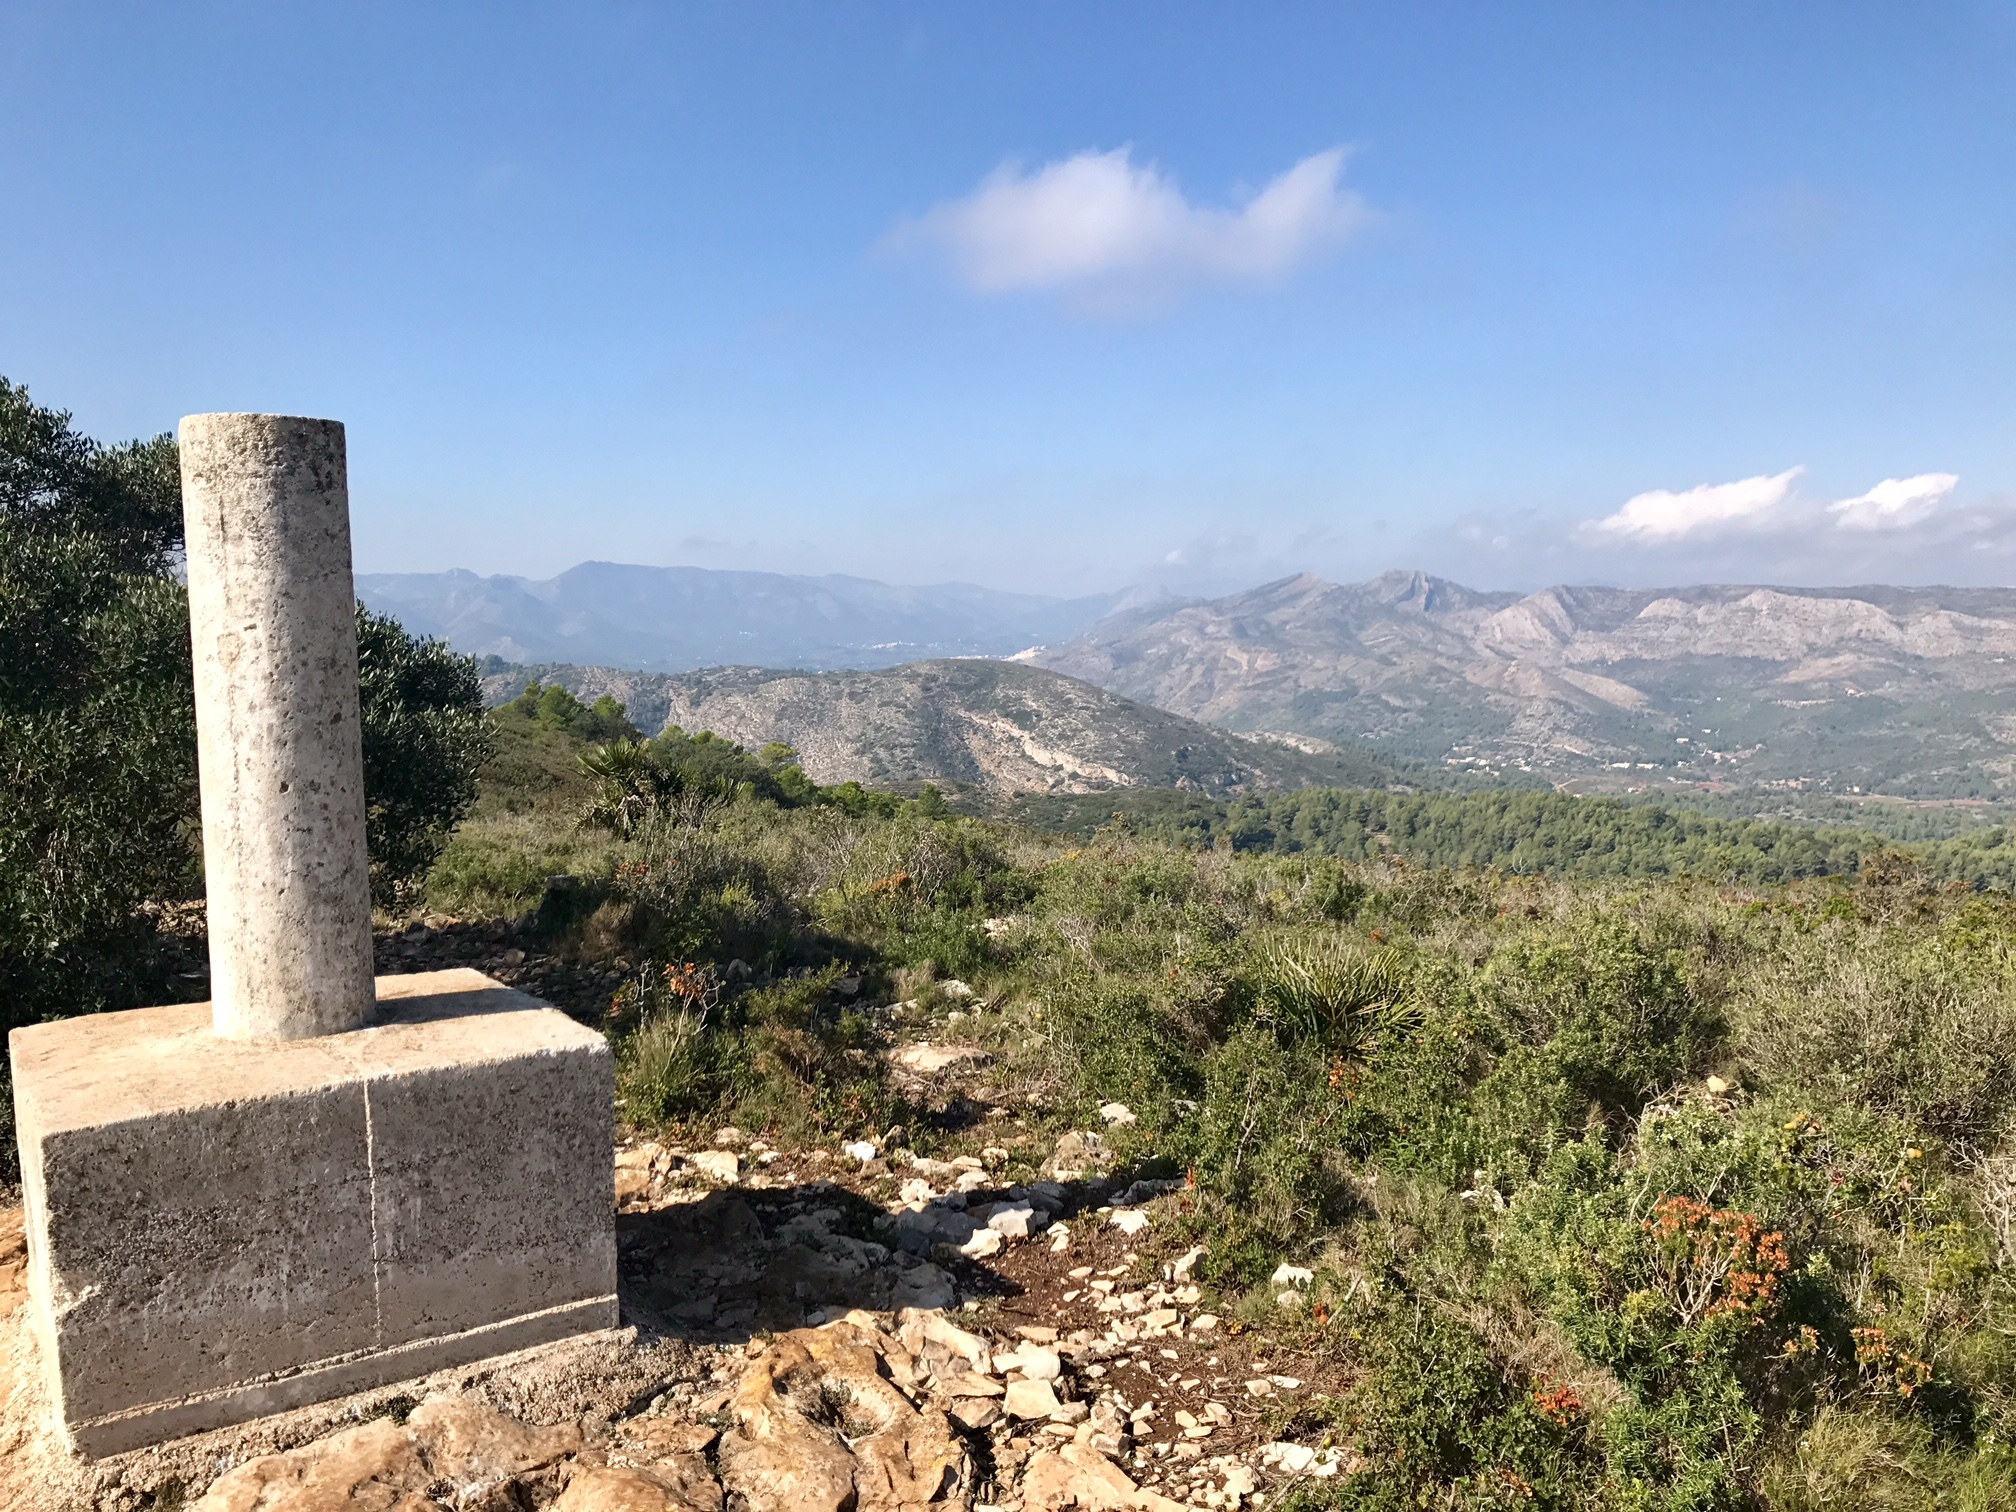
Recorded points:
(220, 1229)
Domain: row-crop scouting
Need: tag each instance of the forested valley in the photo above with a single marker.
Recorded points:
(1531, 833)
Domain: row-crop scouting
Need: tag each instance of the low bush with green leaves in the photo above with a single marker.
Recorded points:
(425, 741)
(553, 707)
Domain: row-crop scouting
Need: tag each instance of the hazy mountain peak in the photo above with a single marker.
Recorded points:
(675, 618)
(1419, 591)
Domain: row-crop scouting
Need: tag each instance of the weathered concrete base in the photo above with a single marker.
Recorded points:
(162, 1421)
(221, 1229)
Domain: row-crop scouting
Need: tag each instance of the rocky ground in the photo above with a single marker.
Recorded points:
(1008, 1326)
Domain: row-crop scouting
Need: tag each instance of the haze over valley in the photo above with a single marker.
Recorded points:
(676, 619)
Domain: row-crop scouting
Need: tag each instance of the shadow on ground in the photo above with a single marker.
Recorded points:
(740, 1262)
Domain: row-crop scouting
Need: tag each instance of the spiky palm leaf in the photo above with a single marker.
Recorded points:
(629, 785)
(1328, 989)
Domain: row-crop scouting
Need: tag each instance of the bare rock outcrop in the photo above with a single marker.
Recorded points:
(450, 1451)
(824, 1427)
(675, 1486)
(1076, 1476)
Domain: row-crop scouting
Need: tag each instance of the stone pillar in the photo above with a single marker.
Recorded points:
(272, 615)
(241, 1209)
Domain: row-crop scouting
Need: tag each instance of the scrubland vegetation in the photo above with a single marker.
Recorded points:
(1672, 1194)
(1640, 1162)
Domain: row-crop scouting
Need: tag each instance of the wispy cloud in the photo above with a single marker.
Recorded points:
(1895, 503)
(1101, 223)
(1766, 505)
(1662, 516)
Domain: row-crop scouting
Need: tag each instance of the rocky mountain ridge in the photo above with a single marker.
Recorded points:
(1858, 689)
(1001, 725)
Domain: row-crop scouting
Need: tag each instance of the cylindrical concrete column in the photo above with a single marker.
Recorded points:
(272, 614)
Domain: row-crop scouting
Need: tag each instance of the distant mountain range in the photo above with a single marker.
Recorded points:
(1001, 725)
(676, 619)
(1904, 691)
(1899, 690)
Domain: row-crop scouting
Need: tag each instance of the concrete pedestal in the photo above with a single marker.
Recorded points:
(220, 1229)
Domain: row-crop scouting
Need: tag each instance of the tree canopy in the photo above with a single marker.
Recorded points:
(97, 739)
(425, 739)
(1547, 834)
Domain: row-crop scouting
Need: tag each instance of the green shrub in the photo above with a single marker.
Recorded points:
(791, 1056)
(670, 1065)
(667, 1070)
(554, 708)
(629, 786)
(805, 1060)
(97, 734)
(705, 763)
(1411, 1106)
(696, 896)
(1113, 1040)
(1443, 1422)
(97, 773)
(1913, 1022)
(425, 740)
(1593, 1021)
(1264, 1146)
(949, 940)
(498, 867)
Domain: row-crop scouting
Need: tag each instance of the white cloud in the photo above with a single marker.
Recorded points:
(1101, 219)
(1895, 503)
(1662, 516)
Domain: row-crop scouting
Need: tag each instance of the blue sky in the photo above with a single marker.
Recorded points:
(1056, 297)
